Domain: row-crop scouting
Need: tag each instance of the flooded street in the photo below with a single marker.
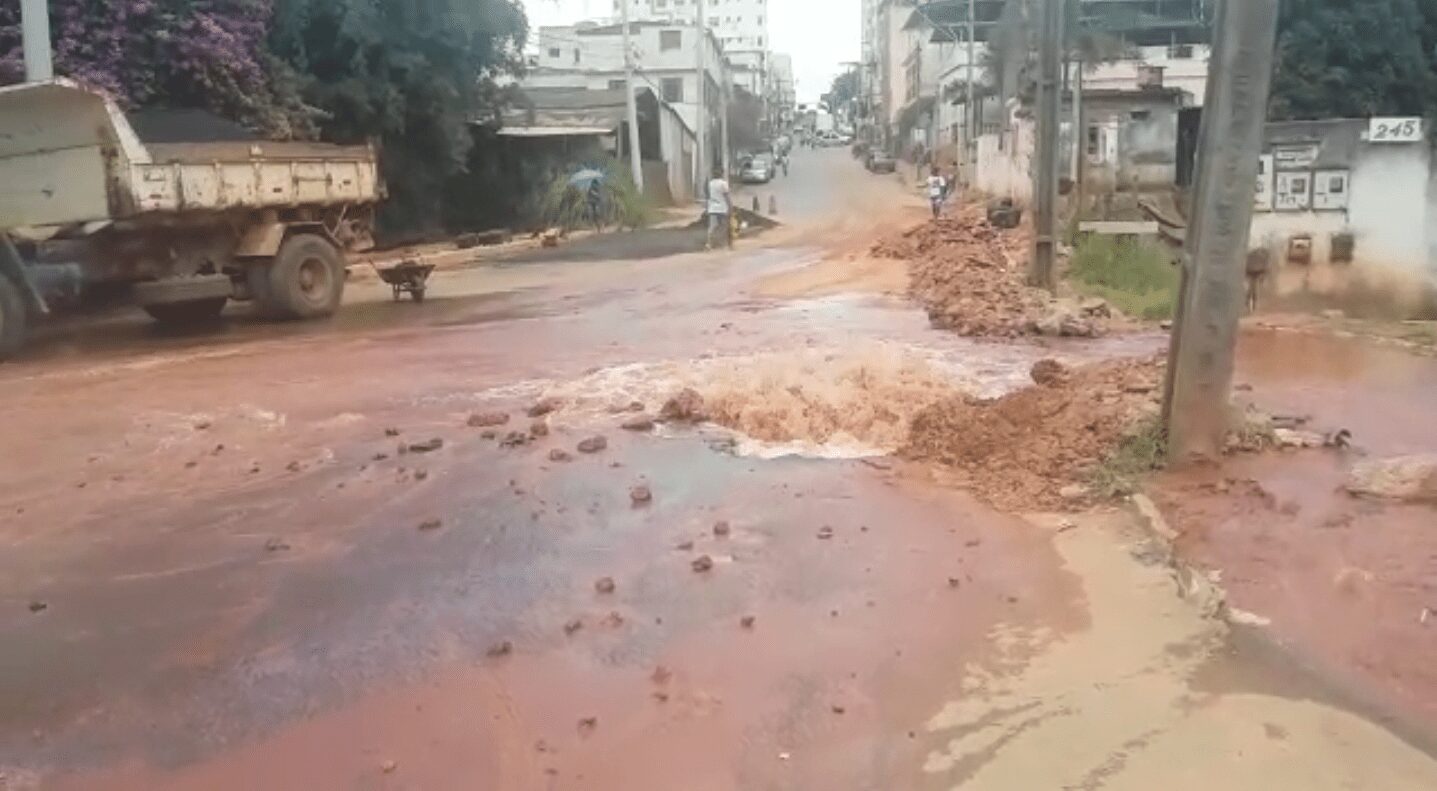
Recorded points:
(344, 555)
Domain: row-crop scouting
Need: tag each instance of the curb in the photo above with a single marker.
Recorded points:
(1202, 588)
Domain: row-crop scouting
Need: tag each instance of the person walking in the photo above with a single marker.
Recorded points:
(720, 207)
(937, 191)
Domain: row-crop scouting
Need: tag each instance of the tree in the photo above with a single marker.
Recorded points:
(412, 74)
(846, 88)
(179, 53)
(745, 120)
(1355, 59)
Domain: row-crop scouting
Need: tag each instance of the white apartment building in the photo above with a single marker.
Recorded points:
(739, 24)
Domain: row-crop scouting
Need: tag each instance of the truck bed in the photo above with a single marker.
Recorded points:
(218, 176)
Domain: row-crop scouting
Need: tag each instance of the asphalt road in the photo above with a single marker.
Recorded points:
(235, 560)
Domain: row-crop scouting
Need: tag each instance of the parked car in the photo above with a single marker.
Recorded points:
(757, 169)
(879, 162)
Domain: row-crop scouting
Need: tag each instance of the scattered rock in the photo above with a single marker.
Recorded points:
(721, 529)
(379, 457)
(391, 432)
(38, 606)
(540, 428)
(1334, 315)
(593, 444)
(613, 620)
(604, 585)
(276, 545)
(488, 434)
(545, 406)
(560, 455)
(515, 439)
(640, 495)
(427, 446)
(638, 423)
(825, 532)
(702, 563)
(502, 648)
(747, 621)
(388, 767)
(686, 406)
(420, 475)
(1049, 372)
(588, 724)
(954, 582)
(1073, 491)
(202, 425)
(431, 524)
(1293, 438)
(1410, 478)
(685, 546)
(573, 626)
(488, 419)
(661, 675)
(837, 709)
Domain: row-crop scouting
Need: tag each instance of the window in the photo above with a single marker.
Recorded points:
(671, 39)
(673, 88)
(555, 52)
(616, 85)
(576, 56)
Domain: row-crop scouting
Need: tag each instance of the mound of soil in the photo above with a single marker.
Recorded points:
(971, 279)
(1019, 451)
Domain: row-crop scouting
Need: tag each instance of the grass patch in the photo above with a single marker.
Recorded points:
(1136, 276)
(1142, 451)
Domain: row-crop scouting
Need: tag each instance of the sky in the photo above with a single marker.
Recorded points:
(821, 35)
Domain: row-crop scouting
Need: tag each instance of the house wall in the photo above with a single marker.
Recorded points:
(1187, 73)
(1130, 143)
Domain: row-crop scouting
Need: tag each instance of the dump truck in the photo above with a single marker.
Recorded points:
(90, 211)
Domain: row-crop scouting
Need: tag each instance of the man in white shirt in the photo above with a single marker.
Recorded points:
(937, 191)
(720, 206)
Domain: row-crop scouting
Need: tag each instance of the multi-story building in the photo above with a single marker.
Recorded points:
(741, 27)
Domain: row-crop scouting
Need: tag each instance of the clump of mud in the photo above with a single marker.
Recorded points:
(1017, 452)
(971, 279)
(866, 397)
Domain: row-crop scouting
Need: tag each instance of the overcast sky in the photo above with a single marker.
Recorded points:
(819, 34)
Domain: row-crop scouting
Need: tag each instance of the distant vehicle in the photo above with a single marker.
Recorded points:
(879, 162)
(828, 139)
(757, 169)
(181, 226)
(823, 122)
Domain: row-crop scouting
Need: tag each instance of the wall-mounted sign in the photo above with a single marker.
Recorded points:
(1262, 201)
(1394, 130)
(1330, 190)
(1293, 192)
(1294, 157)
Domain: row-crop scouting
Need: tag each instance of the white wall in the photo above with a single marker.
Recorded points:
(1189, 74)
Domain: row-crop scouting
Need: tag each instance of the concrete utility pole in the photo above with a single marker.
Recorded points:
(701, 157)
(1045, 171)
(1200, 363)
(723, 122)
(970, 136)
(35, 40)
(635, 151)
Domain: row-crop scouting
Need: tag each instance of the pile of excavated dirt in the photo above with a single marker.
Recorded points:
(1019, 451)
(971, 279)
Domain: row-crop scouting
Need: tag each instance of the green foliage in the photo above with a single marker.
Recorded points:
(1134, 275)
(745, 117)
(1142, 451)
(410, 74)
(620, 202)
(1355, 59)
(846, 87)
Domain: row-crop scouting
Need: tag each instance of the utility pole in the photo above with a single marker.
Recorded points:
(1045, 173)
(970, 137)
(723, 121)
(1196, 407)
(1080, 134)
(35, 40)
(635, 153)
(701, 167)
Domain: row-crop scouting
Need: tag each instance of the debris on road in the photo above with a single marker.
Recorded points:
(540, 428)
(1019, 451)
(638, 423)
(686, 406)
(502, 648)
(276, 545)
(1048, 372)
(837, 708)
(488, 419)
(514, 439)
(545, 406)
(685, 546)
(613, 620)
(604, 585)
(388, 767)
(593, 444)
(747, 621)
(1410, 478)
(420, 475)
(560, 455)
(573, 626)
(588, 724)
(389, 432)
(825, 532)
(427, 446)
(702, 563)
(721, 529)
(38, 606)
(640, 494)
(431, 524)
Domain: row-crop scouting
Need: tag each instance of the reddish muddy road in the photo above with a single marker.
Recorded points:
(239, 560)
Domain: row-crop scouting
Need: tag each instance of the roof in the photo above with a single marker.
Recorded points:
(556, 112)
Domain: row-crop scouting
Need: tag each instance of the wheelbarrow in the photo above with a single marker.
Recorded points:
(407, 277)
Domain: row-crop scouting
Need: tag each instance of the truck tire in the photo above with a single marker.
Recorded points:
(13, 317)
(196, 311)
(305, 280)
